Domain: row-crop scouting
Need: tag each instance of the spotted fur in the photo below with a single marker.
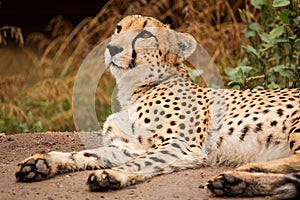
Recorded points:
(168, 123)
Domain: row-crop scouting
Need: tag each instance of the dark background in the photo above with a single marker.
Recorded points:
(33, 15)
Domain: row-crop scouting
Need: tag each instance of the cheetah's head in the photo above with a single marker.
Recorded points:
(145, 41)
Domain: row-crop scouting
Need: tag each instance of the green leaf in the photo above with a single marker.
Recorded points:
(297, 45)
(284, 17)
(249, 33)
(273, 86)
(237, 74)
(234, 84)
(293, 37)
(283, 70)
(194, 73)
(265, 37)
(280, 3)
(276, 32)
(197, 72)
(233, 71)
(297, 19)
(266, 47)
(259, 3)
(259, 87)
(282, 40)
(255, 27)
(250, 49)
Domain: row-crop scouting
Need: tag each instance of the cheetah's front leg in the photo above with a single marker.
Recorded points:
(46, 165)
(171, 156)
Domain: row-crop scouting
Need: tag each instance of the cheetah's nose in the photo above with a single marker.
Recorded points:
(113, 50)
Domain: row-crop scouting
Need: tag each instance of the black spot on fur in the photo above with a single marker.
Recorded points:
(175, 145)
(155, 159)
(292, 143)
(220, 142)
(138, 166)
(182, 126)
(273, 123)
(140, 139)
(231, 131)
(269, 140)
(147, 163)
(258, 127)
(147, 120)
(279, 112)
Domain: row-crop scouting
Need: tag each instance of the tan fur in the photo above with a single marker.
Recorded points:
(168, 123)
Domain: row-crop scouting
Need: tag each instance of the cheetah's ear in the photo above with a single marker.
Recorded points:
(186, 44)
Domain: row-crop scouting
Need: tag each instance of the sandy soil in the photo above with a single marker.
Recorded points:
(180, 185)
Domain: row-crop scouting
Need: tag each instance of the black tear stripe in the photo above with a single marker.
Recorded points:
(140, 35)
(132, 62)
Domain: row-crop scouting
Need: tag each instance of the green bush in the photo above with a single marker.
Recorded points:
(272, 56)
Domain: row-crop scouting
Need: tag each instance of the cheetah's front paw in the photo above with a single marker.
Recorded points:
(103, 180)
(32, 169)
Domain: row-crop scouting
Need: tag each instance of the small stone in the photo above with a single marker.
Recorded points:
(2, 136)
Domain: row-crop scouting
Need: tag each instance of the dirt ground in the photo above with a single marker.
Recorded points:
(180, 185)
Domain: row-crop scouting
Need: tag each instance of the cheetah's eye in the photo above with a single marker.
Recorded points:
(146, 35)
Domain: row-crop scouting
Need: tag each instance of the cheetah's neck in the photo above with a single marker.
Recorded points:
(143, 77)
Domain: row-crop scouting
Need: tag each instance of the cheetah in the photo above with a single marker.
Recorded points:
(168, 123)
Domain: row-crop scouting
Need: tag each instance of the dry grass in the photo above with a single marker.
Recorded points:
(15, 33)
(36, 94)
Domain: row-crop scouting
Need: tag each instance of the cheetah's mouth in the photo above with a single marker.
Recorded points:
(114, 65)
